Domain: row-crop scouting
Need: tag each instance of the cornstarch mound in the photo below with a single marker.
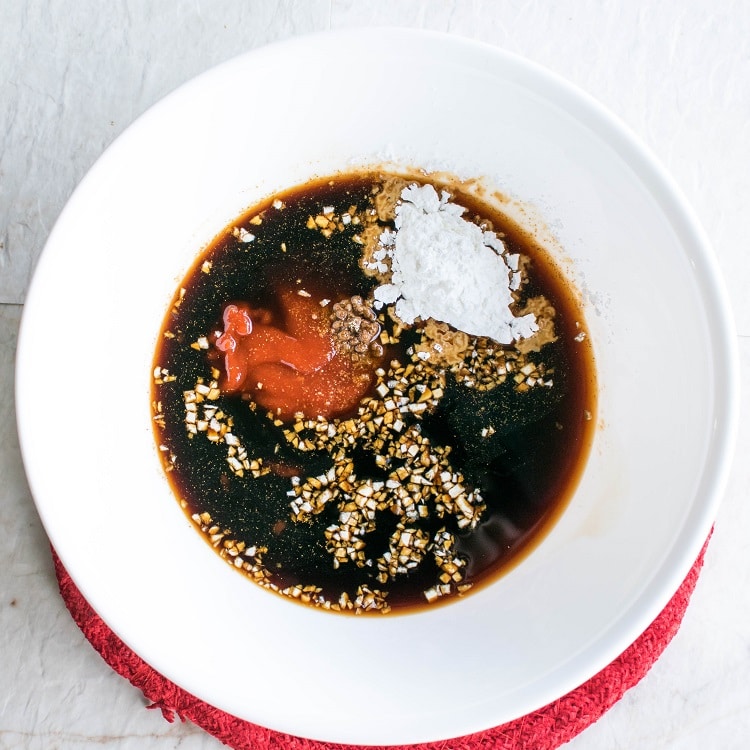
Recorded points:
(446, 268)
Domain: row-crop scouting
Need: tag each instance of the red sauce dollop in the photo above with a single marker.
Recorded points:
(291, 369)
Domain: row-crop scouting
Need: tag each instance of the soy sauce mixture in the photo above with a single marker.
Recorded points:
(362, 466)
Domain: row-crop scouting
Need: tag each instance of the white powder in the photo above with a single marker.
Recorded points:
(447, 268)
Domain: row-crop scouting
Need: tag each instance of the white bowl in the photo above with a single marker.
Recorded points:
(271, 119)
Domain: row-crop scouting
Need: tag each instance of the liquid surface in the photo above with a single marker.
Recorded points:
(362, 465)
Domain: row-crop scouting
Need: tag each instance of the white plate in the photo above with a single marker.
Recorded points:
(270, 119)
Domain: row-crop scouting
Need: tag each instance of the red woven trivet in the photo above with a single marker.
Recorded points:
(546, 729)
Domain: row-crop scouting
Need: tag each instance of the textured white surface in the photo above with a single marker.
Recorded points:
(72, 76)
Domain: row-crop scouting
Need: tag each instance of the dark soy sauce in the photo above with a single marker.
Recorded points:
(526, 469)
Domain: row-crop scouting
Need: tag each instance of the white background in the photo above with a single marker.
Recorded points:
(74, 74)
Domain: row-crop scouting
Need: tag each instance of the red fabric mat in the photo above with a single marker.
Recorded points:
(546, 729)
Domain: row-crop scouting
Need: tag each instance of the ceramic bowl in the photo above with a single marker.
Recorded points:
(269, 120)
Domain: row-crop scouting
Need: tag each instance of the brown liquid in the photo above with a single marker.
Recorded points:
(526, 470)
